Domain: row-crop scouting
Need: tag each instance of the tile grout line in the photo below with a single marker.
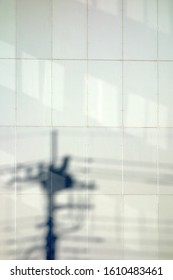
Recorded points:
(87, 122)
(158, 101)
(86, 155)
(89, 127)
(51, 127)
(91, 194)
(122, 133)
(15, 137)
(51, 19)
(89, 59)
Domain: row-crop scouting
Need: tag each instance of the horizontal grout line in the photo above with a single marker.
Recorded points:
(87, 193)
(86, 127)
(133, 194)
(89, 59)
(17, 193)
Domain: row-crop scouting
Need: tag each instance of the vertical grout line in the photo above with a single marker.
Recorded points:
(51, 23)
(122, 73)
(122, 135)
(87, 190)
(51, 85)
(15, 133)
(87, 63)
(158, 190)
(51, 60)
(86, 135)
(158, 130)
(157, 61)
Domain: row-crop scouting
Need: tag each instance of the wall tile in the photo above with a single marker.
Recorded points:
(7, 29)
(165, 94)
(165, 227)
(71, 227)
(140, 94)
(165, 26)
(34, 29)
(69, 29)
(33, 159)
(140, 227)
(71, 158)
(7, 224)
(69, 93)
(165, 160)
(140, 29)
(105, 160)
(7, 92)
(105, 228)
(34, 92)
(105, 93)
(140, 161)
(31, 227)
(7, 156)
(105, 29)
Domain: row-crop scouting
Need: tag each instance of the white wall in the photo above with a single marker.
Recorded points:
(100, 73)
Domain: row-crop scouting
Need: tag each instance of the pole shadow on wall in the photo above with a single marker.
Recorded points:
(53, 179)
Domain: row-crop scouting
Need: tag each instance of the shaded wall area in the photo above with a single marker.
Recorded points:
(86, 129)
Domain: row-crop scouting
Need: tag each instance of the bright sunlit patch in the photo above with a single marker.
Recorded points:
(109, 7)
(58, 86)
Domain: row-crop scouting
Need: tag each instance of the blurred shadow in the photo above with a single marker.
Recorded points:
(52, 180)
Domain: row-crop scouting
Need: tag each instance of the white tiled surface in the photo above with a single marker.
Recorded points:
(165, 27)
(165, 94)
(33, 149)
(69, 29)
(7, 163)
(105, 160)
(140, 29)
(7, 232)
(140, 160)
(7, 28)
(140, 227)
(165, 149)
(140, 94)
(33, 29)
(69, 93)
(34, 92)
(104, 93)
(105, 29)
(165, 227)
(7, 91)
(85, 114)
(110, 236)
(72, 226)
(30, 226)
(71, 143)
